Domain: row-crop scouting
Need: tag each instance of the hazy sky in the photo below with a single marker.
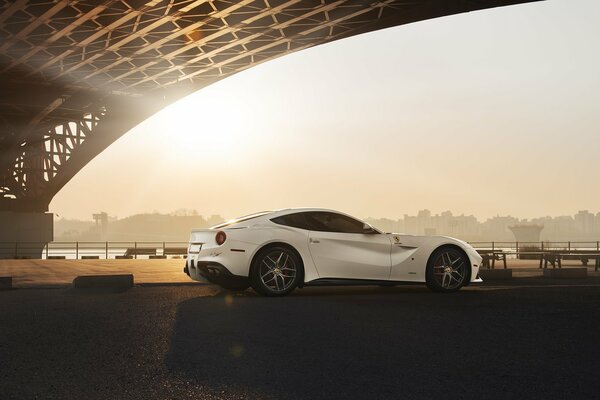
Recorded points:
(494, 111)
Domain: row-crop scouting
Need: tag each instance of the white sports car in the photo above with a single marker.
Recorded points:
(278, 251)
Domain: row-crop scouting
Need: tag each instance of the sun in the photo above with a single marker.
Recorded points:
(208, 126)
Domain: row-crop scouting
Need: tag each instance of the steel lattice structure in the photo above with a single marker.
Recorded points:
(77, 74)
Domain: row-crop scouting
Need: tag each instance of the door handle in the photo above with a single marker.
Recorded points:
(314, 241)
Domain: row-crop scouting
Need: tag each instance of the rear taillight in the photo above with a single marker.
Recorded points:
(220, 238)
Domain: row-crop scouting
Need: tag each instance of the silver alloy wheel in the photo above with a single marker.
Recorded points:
(277, 271)
(449, 270)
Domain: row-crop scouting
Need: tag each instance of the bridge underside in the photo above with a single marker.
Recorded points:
(77, 74)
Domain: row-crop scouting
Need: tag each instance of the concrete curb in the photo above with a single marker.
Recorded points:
(6, 282)
(124, 281)
(493, 274)
(566, 273)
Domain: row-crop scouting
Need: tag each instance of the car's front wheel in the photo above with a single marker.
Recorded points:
(276, 271)
(447, 270)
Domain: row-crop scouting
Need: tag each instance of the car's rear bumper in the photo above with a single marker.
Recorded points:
(211, 271)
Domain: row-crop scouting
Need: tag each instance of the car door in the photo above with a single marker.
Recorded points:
(340, 248)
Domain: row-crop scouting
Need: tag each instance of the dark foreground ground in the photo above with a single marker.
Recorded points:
(180, 342)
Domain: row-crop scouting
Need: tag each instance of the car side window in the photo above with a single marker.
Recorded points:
(332, 222)
(295, 220)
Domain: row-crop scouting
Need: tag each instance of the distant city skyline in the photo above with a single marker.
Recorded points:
(485, 113)
(582, 226)
(186, 212)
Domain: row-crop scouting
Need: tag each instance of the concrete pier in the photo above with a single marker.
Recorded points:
(25, 234)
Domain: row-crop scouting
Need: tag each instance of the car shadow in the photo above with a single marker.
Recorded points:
(315, 343)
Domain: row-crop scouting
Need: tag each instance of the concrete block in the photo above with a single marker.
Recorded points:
(124, 281)
(158, 257)
(495, 274)
(56, 257)
(90, 257)
(5, 282)
(123, 257)
(565, 273)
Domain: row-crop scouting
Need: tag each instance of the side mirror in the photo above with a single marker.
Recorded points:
(368, 229)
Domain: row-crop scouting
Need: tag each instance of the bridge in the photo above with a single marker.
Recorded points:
(75, 75)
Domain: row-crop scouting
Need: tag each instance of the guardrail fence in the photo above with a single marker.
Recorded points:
(149, 250)
(538, 246)
(93, 250)
(534, 250)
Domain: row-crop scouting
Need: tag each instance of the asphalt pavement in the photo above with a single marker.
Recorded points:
(196, 341)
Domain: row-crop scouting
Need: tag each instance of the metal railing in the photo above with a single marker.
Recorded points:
(536, 250)
(146, 250)
(89, 250)
(537, 246)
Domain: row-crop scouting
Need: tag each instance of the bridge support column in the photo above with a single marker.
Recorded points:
(25, 234)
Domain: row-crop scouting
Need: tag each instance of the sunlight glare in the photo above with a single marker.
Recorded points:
(208, 125)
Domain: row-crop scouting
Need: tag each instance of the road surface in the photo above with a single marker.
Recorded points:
(196, 341)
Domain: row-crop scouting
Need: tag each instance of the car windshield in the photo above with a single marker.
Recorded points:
(240, 219)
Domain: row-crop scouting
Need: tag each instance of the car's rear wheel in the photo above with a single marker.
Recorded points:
(447, 270)
(276, 271)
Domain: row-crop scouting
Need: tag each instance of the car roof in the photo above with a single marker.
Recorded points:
(262, 216)
(303, 209)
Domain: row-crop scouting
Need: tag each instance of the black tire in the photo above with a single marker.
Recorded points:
(447, 270)
(276, 271)
(235, 285)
